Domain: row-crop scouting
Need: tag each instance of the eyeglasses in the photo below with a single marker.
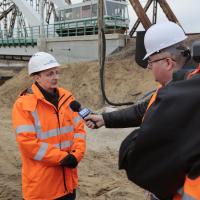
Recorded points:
(150, 62)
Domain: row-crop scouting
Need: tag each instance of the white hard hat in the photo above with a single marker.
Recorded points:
(162, 35)
(41, 61)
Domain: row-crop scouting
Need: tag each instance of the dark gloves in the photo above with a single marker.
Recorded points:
(69, 161)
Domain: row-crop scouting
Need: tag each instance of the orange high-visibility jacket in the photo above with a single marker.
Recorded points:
(46, 135)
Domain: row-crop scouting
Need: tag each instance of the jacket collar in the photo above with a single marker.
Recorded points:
(37, 92)
(62, 93)
(52, 98)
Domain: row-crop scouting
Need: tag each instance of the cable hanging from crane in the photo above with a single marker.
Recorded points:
(102, 66)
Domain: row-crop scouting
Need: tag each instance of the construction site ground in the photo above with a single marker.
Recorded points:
(99, 177)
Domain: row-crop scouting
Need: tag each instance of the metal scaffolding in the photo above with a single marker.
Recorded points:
(12, 17)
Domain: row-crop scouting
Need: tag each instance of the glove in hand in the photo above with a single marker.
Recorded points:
(69, 161)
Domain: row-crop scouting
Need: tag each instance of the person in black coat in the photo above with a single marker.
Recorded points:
(149, 155)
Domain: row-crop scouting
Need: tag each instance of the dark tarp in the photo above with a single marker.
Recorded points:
(167, 145)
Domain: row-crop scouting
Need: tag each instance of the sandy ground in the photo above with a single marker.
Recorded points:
(99, 177)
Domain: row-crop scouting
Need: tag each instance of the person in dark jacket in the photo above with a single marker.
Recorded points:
(166, 57)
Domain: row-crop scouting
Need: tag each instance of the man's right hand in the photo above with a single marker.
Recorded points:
(98, 119)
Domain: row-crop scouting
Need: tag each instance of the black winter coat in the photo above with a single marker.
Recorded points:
(166, 147)
(128, 117)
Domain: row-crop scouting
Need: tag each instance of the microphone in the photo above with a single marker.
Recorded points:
(83, 112)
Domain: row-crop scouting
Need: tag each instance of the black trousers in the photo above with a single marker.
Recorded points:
(71, 196)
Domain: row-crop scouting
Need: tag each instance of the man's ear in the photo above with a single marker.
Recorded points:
(170, 64)
(36, 77)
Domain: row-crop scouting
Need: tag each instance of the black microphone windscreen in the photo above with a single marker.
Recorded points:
(75, 106)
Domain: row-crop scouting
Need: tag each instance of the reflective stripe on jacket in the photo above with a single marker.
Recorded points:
(190, 191)
(46, 135)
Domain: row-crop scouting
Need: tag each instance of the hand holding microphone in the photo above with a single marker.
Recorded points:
(98, 119)
(85, 114)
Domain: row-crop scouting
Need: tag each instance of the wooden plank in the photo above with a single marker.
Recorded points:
(141, 13)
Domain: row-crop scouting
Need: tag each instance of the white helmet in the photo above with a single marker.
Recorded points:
(41, 61)
(162, 35)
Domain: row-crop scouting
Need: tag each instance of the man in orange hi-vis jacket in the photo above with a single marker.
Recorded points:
(50, 136)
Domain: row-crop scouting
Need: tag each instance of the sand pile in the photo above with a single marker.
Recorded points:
(123, 80)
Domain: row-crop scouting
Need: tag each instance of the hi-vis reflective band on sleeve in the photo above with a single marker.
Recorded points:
(184, 196)
(44, 135)
(79, 135)
(187, 197)
(77, 119)
(64, 144)
(54, 132)
(41, 152)
(25, 128)
(37, 122)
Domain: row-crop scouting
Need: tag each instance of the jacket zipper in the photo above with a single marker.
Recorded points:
(57, 113)
(63, 101)
(63, 169)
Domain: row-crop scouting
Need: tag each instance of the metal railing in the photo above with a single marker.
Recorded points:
(29, 36)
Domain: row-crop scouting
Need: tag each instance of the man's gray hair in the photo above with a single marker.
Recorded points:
(179, 52)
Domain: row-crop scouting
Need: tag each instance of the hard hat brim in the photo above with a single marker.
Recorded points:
(49, 66)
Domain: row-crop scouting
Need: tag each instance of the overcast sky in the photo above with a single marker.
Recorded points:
(187, 12)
